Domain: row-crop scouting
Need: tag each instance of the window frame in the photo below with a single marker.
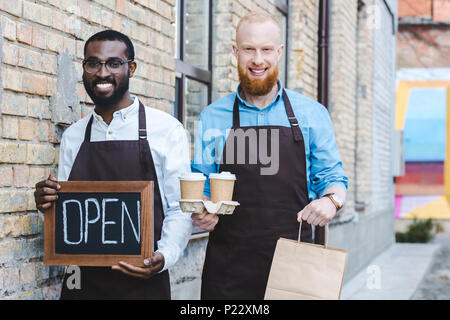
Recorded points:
(185, 69)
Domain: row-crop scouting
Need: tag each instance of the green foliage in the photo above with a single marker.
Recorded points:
(418, 231)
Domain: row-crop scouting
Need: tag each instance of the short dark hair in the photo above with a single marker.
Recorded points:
(112, 35)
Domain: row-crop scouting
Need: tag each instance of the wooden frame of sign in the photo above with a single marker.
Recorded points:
(144, 188)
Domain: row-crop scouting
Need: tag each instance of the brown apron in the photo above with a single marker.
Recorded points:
(115, 161)
(241, 247)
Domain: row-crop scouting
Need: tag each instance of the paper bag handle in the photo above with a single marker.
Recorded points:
(326, 233)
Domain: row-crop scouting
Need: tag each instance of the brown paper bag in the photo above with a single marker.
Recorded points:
(305, 271)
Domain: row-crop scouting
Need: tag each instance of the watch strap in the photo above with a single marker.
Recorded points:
(330, 196)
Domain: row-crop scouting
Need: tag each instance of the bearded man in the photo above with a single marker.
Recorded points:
(302, 180)
(121, 139)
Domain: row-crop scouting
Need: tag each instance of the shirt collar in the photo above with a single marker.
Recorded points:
(125, 112)
(249, 105)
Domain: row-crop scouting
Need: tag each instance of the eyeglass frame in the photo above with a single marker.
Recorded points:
(122, 62)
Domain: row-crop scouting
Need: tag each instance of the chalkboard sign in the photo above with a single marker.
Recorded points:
(99, 223)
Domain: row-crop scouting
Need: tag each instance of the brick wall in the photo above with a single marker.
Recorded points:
(42, 48)
(303, 42)
(364, 105)
(423, 46)
(342, 99)
(424, 34)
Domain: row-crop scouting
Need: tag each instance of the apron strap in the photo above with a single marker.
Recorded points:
(87, 133)
(236, 120)
(290, 113)
(292, 119)
(142, 136)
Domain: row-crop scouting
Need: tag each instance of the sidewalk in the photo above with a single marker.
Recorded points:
(396, 273)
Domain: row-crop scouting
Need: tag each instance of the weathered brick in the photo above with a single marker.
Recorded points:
(413, 8)
(10, 53)
(43, 131)
(69, 46)
(12, 79)
(12, 7)
(441, 10)
(10, 127)
(31, 224)
(14, 104)
(6, 176)
(33, 11)
(21, 176)
(39, 38)
(51, 86)
(11, 152)
(106, 18)
(54, 42)
(11, 280)
(8, 28)
(59, 20)
(26, 129)
(37, 108)
(34, 83)
(40, 154)
(24, 33)
(95, 13)
(49, 63)
(29, 59)
(110, 4)
(12, 226)
(122, 7)
(15, 201)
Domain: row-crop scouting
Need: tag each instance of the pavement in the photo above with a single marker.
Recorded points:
(405, 271)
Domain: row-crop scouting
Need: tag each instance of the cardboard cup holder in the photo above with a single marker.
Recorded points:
(197, 206)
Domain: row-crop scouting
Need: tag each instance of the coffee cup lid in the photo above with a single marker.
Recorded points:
(193, 176)
(223, 175)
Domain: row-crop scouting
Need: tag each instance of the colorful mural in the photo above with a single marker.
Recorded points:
(421, 113)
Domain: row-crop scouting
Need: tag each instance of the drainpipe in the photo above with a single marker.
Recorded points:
(324, 26)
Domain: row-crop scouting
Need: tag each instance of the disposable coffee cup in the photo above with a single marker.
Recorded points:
(222, 185)
(192, 185)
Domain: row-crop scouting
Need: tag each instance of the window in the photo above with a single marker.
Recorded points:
(282, 16)
(193, 45)
(192, 61)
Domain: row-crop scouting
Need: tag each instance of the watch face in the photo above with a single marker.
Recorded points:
(338, 200)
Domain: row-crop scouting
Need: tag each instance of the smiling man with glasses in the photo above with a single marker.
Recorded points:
(124, 140)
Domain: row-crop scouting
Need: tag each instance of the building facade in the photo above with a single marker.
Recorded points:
(423, 91)
(184, 57)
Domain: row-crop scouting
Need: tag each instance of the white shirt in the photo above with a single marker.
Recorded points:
(169, 148)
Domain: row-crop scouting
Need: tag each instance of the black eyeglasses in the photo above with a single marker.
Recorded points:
(113, 65)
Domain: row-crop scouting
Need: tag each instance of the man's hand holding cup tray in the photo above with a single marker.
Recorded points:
(204, 211)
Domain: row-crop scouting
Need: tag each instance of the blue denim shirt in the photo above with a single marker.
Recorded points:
(323, 162)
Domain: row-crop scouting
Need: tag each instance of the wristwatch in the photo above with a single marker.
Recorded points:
(338, 202)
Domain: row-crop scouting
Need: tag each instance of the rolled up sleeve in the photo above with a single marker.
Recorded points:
(326, 164)
(205, 149)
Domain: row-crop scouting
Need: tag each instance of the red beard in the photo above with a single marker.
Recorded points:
(257, 87)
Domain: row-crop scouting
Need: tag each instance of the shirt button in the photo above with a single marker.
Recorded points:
(261, 113)
(109, 132)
